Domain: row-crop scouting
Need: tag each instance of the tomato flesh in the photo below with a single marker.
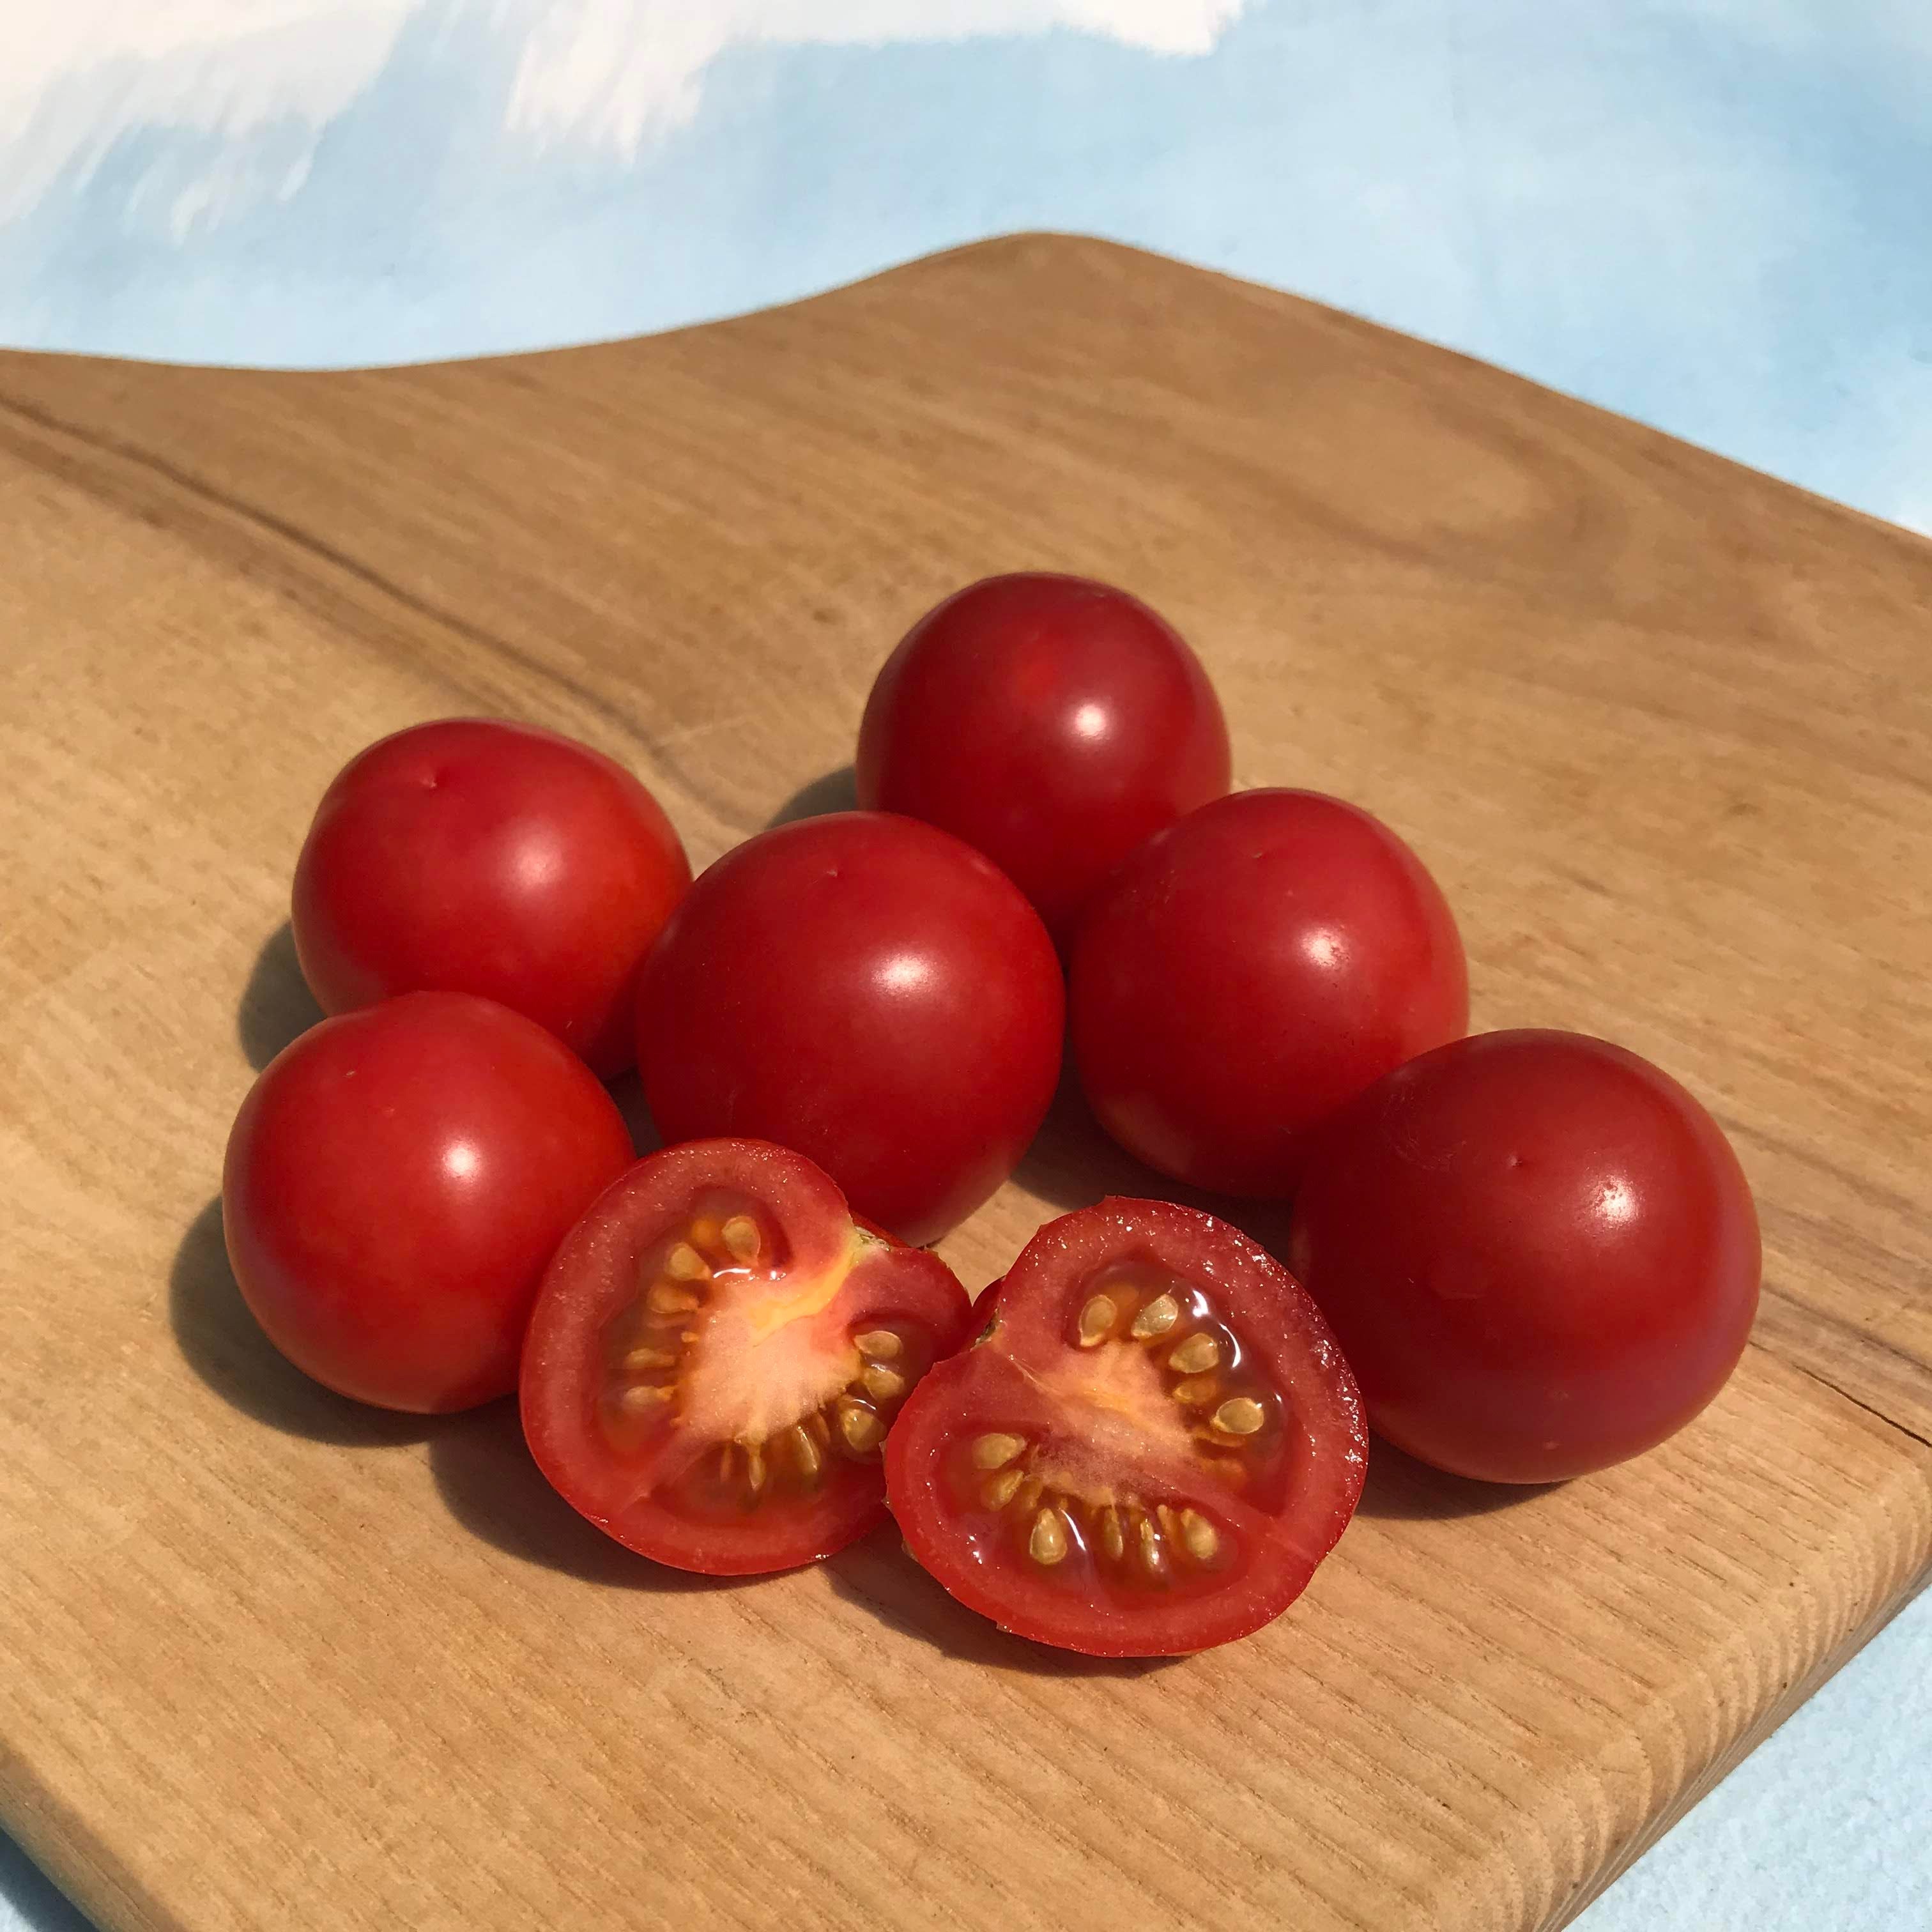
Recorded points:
(717, 1354)
(1149, 1449)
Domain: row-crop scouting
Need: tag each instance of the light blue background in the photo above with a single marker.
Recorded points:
(1712, 215)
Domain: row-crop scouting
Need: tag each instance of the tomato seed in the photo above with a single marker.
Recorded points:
(1197, 1353)
(1097, 1319)
(878, 1345)
(1048, 1543)
(1241, 1416)
(684, 1263)
(741, 1238)
(999, 1489)
(1156, 1317)
(994, 1452)
(883, 1383)
(860, 1426)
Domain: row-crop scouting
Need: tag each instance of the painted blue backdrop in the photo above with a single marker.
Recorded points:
(1712, 215)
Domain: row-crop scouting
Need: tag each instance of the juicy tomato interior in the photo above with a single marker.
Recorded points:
(718, 1353)
(1149, 1449)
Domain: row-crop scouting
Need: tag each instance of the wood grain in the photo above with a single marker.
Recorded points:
(1661, 726)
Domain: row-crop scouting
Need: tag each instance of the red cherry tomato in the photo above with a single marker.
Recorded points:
(1539, 1252)
(1148, 1451)
(716, 1355)
(1249, 971)
(396, 1182)
(866, 990)
(1052, 722)
(475, 857)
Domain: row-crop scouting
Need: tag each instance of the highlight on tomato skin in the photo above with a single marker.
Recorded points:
(1148, 1450)
(717, 1352)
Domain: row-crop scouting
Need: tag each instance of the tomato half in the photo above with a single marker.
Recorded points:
(396, 1182)
(1149, 1449)
(717, 1354)
(1539, 1252)
(1249, 971)
(869, 990)
(1053, 722)
(478, 856)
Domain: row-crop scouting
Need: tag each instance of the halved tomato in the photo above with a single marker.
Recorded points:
(1147, 1451)
(716, 1353)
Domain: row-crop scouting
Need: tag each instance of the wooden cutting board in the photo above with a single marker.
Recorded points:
(1662, 728)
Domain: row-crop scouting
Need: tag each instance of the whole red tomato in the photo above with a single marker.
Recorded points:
(1249, 971)
(1053, 722)
(395, 1185)
(1539, 1252)
(473, 856)
(869, 992)
(717, 1353)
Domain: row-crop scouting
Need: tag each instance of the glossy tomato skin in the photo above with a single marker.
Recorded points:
(644, 1421)
(1137, 1422)
(476, 856)
(867, 990)
(1053, 722)
(1540, 1253)
(395, 1184)
(1249, 971)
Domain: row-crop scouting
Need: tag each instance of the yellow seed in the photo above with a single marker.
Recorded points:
(1111, 1540)
(862, 1429)
(1097, 1319)
(664, 1299)
(1048, 1543)
(821, 1429)
(684, 1263)
(754, 1466)
(995, 1452)
(1196, 1390)
(998, 1490)
(1154, 1557)
(1156, 1317)
(1198, 1533)
(643, 1398)
(741, 1238)
(1029, 1494)
(704, 1232)
(1198, 1352)
(883, 1384)
(879, 1344)
(1241, 1416)
(804, 1451)
(1170, 1522)
(639, 1359)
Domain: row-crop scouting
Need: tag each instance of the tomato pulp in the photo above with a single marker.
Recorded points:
(717, 1353)
(1539, 1252)
(869, 990)
(474, 856)
(1249, 971)
(1050, 721)
(1148, 1450)
(396, 1182)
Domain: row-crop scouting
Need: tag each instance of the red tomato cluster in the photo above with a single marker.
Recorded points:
(1521, 1256)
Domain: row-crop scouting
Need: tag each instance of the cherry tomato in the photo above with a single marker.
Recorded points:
(1051, 721)
(1250, 970)
(476, 857)
(1540, 1253)
(716, 1355)
(866, 990)
(395, 1184)
(1150, 1449)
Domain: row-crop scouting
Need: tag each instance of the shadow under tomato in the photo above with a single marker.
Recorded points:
(876, 1573)
(277, 1005)
(223, 1344)
(627, 1091)
(1074, 1162)
(1400, 1487)
(836, 791)
(488, 1480)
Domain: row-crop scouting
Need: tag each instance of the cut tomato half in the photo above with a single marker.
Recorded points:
(1151, 1446)
(716, 1353)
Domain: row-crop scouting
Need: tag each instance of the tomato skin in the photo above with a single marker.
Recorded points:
(1023, 1324)
(476, 856)
(395, 1184)
(867, 990)
(1053, 722)
(1540, 1252)
(1249, 971)
(594, 1276)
